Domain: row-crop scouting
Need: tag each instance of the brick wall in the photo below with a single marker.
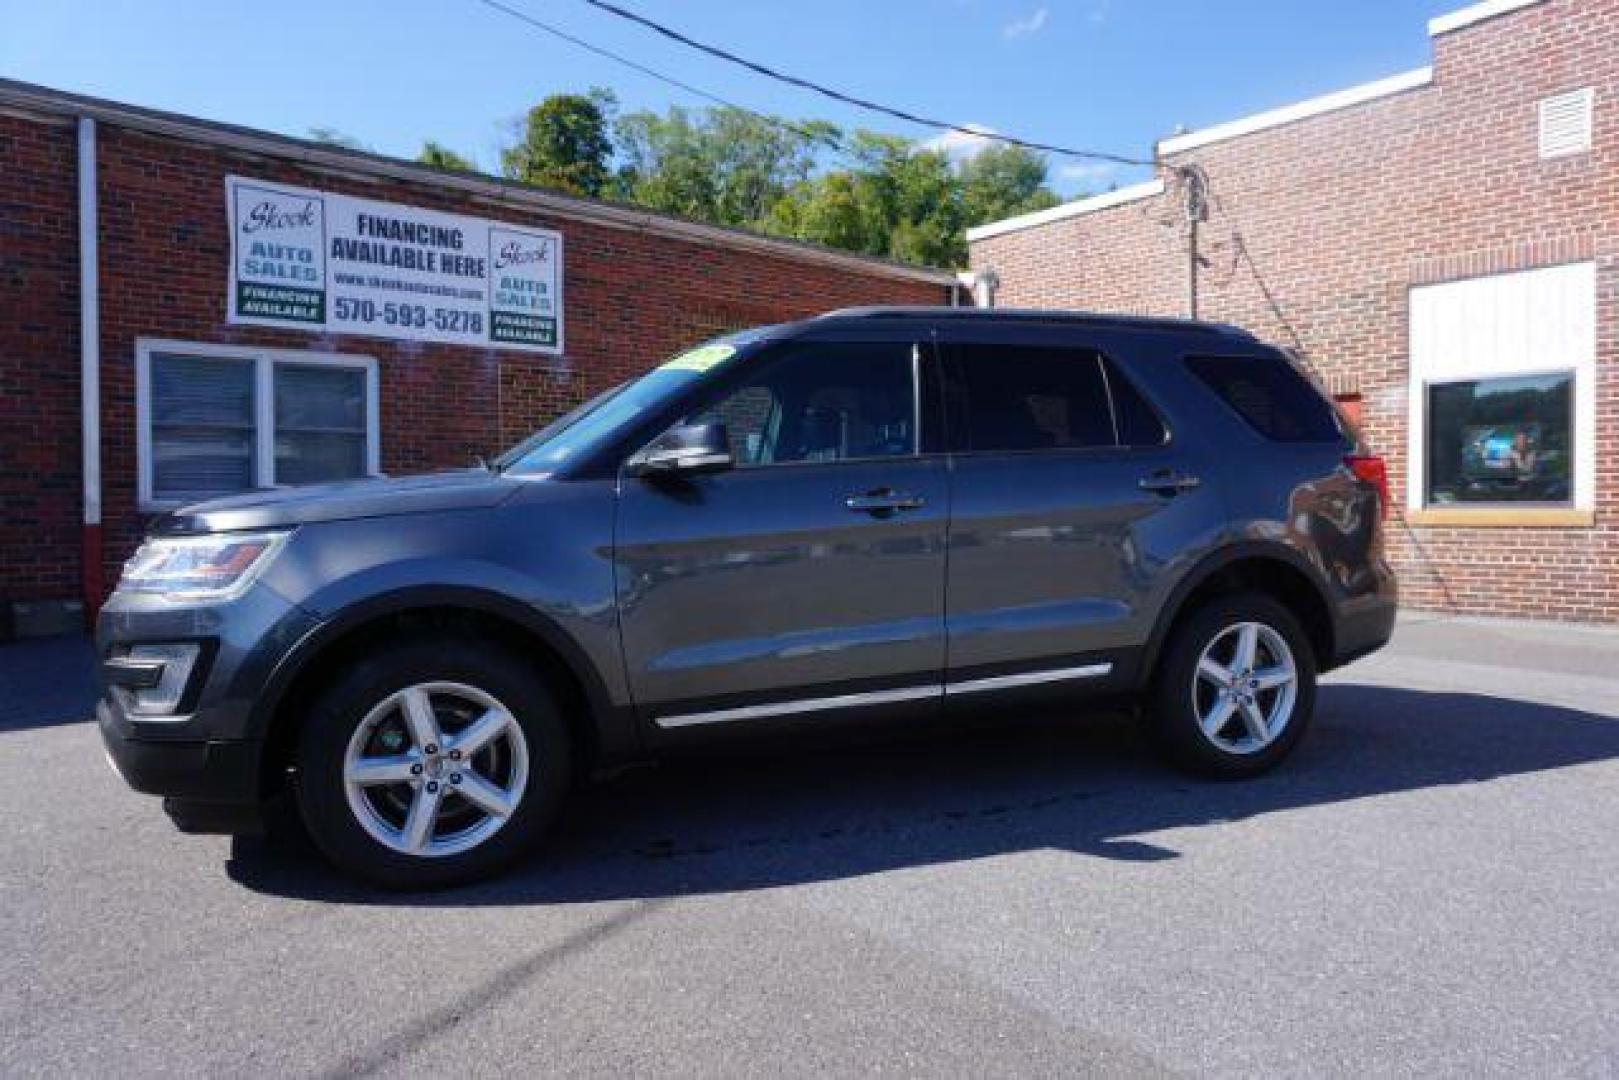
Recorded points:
(39, 361)
(632, 297)
(1344, 212)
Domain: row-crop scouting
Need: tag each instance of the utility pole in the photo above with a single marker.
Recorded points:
(1195, 191)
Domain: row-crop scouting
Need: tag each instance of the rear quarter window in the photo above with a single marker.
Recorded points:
(1271, 396)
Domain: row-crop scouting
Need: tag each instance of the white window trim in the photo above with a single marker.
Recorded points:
(264, 361)
(1582, 363)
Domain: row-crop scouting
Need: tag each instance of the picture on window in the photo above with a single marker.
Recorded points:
(1504, 440)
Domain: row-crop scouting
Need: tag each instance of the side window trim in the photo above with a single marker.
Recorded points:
(1112, 406)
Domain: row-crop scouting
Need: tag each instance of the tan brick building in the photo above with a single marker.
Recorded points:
(1443, 247)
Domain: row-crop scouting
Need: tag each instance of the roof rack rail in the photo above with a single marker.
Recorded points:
(1086, 318)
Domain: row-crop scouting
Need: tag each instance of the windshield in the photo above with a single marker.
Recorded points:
(600, 418)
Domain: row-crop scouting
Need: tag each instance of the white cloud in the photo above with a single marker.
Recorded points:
(959, 145)
(1031, 24)
(1088, 172)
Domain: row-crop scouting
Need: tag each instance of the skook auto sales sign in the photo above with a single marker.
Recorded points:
(316, 260)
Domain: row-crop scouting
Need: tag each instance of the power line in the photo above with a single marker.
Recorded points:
(850, 99)
(538, 24)
(1243, 254)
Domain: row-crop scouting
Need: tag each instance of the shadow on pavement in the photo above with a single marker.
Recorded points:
(1086, 786)
(47, 681)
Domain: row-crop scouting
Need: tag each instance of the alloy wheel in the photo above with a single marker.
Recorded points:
(1245, 687)
(435, 769)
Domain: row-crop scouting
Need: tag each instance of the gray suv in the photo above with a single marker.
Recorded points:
(881, 512)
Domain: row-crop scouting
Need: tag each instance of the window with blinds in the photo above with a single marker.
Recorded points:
(203, 426)
(319, 423)
(220, 422)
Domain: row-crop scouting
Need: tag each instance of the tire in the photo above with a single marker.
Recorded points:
(366, 727)
(1184, 706)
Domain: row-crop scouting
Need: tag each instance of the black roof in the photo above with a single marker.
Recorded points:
(1079, 318)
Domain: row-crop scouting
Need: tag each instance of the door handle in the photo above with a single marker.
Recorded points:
(1166, 482)
(884, 501)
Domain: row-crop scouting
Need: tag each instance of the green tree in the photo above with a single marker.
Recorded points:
(723, 165)
(1001, 181)
(440, 156)
(333, 137)
(893, 200)
(565, 142)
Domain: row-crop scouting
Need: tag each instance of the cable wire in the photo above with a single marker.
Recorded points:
(850, 99)
(523, 16)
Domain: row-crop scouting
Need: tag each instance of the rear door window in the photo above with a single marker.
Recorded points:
(1271, 396)
(1033, 398)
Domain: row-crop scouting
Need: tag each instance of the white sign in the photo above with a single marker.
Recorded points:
(316, 260)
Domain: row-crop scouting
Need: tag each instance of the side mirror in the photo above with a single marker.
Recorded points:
(684, 451)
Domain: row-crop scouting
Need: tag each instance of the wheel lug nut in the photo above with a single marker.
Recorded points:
(455, 755)
(432, 748)
(415, 770)
(432, 787)
(455, 778)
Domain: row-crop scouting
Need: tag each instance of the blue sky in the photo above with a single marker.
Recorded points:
(1104, 74)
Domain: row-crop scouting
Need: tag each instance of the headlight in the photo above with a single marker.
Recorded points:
(218, 567)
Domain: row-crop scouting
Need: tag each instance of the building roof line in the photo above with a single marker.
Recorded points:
(1077, 208)
(1300, 110)
(1475, 13)
(28, 98)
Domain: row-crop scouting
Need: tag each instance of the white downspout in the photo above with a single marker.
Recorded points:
(89, 366)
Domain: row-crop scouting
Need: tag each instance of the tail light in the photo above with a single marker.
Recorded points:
(1371, 469)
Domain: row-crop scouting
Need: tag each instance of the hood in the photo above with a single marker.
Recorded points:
(464, 489)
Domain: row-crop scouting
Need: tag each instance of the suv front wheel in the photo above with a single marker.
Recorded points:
(1236, 688)
(431, 763)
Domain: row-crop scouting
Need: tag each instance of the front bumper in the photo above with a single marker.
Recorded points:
(207, 761)
(210, 770)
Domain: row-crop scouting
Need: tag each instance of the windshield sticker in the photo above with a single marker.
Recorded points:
(700, 359)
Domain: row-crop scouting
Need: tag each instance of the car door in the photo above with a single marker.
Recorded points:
(1069, 498)
(808, 578)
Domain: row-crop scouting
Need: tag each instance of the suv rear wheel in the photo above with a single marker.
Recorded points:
(1236, 688)
(432, 763)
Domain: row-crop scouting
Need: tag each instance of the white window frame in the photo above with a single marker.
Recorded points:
(1518, 348)
(264, 363)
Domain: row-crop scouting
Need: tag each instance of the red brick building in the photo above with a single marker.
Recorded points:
(120, 254)
(1443, 247)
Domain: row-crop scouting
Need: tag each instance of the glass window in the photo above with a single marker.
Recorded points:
(1032, 398)
(831, 402)
(319, 423)
(1501, 440)
(1138, 424)
(209, 433)
(1271, 395)
(202, 411)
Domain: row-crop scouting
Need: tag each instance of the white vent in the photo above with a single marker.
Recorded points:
(1565, 124)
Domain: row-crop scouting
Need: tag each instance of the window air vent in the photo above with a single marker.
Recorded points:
(1565, 124)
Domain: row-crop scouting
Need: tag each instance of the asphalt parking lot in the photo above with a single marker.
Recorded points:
(1431, 886)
